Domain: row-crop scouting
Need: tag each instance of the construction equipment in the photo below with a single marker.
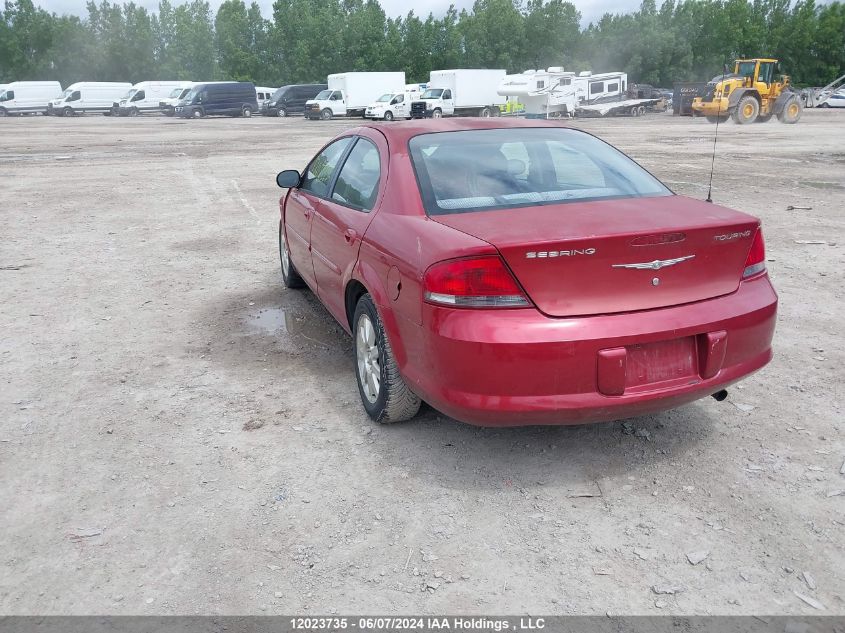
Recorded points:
(751, 93)
(818, 97)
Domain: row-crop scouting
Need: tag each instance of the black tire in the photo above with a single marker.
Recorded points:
(67, 112)
(825, 105)
(134, 112)
(392, 401)
(641, 111)
(712, 118)
(3, 112)
(281, 112)
(763, 118)
(326, 114)
(746, 111)
(791, 111)
(197, 113)
(437, 114)
(290, 277)
(485, 113)
(246, 112)
(635, 111)
(388, 116)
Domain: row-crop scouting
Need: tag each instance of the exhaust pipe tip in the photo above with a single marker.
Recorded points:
(720, 395)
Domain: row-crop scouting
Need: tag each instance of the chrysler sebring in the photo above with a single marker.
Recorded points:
(520, 272)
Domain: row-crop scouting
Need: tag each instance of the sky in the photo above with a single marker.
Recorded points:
(591, 10)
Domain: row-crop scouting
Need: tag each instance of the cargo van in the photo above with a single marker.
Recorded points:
(167, 105)
(394, 105)
(145, 96)
(27, 97)
(291, 99)
(88, 96)
(349, 94)
(262, 96)
(232, 98)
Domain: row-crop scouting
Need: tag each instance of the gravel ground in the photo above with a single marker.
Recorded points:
(179, 434)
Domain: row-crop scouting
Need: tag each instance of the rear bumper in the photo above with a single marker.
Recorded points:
(518, 367)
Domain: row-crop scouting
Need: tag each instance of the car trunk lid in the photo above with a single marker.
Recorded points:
(600, 257)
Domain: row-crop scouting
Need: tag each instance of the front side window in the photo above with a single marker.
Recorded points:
(8, 95)
(336, 96)
(139, 96)
(447, 94)
(399, 99)
(75, 96)
(746, 69)
(318, 176)
(357, 183)
(477, 170)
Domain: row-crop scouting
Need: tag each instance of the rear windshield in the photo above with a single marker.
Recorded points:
(476, 170)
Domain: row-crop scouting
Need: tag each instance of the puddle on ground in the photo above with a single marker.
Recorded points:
(299, 325)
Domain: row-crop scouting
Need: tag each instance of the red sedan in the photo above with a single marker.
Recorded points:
(519, 272)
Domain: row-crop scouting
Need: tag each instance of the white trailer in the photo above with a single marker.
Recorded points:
(555, 92)
(145, 96)
(394, 105)
(88, 96)
(461, 92)
(27, 97)
(349, 94)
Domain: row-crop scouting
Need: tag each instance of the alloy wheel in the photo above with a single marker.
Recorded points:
(368, 357)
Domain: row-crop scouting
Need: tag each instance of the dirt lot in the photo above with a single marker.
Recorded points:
(180, 434)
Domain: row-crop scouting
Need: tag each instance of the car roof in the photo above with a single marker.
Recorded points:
(402, 131)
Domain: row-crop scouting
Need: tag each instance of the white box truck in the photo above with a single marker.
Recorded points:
(88, 96)
(461, 92)
(28, 97)
(394, 105)
(145, 96)
(168, 103)
(349, 94)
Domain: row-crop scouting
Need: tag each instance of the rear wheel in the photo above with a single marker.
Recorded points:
(747, 110)
(791, 111)
(384, 394)
(641, 111)
(247, 111)
(712, 118)
(388, 116)
(486, 113)
(326, 114)
(290, 277)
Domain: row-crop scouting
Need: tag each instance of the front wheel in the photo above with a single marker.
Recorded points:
(388, 116)
(198, 113)
(791, 111)
(384, 394)
(67, 112)
(281, 112)
(134, 112)
(3, 112)
(437, 114)
(747, 110)
(326, 114)
(290, 277)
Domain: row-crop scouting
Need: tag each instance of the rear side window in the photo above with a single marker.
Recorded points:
(357, 183)
(477, 170)
(318, 176)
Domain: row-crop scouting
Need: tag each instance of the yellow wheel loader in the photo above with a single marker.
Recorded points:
(751, 93)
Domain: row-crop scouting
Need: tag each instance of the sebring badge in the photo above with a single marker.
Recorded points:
(657, 264)
(570, 253)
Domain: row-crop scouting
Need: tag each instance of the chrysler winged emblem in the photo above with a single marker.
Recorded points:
(657, 264)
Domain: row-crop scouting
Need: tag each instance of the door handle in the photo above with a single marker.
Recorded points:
(350, 235)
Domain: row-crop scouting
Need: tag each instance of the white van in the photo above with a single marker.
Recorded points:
(394, 105)
(168, 103)
(28, 97)
(263, 94)
(88, 96)
(145, 96)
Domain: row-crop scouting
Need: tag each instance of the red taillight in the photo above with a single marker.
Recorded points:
(479, 282)
(756, 260)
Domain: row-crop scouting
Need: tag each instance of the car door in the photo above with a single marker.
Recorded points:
(399, 106)
(341, 221)
(302, 203)
(448, 102)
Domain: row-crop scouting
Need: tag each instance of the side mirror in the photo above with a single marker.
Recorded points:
(288, 179)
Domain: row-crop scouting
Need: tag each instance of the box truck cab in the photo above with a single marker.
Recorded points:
(227, 98)
(88, 96)
(394, 105)
(144, 96)
(349, 94)
(27, 97)
(291, 99)
(167, 104)
(461, 92)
